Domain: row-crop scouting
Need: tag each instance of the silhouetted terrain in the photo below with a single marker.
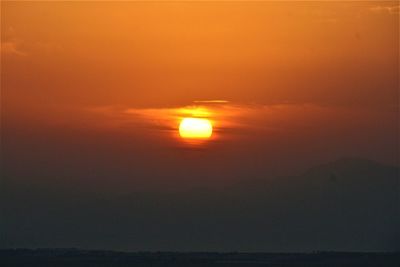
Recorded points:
(346, 205)
(74, 257)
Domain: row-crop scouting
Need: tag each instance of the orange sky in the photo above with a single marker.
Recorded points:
(162, 54)
(303, 97)
(318, 78)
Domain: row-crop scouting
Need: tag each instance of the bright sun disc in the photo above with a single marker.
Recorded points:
(195, 128)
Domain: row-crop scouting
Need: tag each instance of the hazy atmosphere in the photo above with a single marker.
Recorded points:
(292, 142)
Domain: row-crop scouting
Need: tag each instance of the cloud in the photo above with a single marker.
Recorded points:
(216, 101)
(11, 47)
(10, 44)
(227, 118)
(388, 9)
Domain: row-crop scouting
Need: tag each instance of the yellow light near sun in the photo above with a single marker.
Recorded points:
(195, 128)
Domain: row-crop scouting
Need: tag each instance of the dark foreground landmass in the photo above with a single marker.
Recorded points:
(345, 205)
(76, 257)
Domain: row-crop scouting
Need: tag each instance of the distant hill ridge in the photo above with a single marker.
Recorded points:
(345, 205)
(351, 164)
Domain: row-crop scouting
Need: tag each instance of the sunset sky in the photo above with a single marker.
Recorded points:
(92, 93)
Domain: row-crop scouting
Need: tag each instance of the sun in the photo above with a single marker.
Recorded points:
(195, 128)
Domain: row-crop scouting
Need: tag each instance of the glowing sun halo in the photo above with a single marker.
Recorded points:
(195, 128)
